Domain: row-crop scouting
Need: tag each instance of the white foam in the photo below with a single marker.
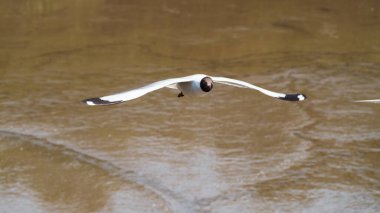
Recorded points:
(376, 101)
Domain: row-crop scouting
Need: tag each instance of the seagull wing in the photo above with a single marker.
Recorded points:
(135, 93)
(237, 83)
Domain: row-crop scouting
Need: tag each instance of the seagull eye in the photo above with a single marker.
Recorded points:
(206, 84)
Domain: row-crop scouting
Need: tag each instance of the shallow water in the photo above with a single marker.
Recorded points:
(233, 150)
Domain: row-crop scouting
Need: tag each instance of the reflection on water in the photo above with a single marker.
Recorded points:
(239, 151)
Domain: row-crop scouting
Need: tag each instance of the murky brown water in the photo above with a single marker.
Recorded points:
(233, 150)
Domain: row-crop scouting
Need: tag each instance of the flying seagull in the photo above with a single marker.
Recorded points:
(189, 85)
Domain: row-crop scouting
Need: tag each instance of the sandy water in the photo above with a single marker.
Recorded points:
(233, 150)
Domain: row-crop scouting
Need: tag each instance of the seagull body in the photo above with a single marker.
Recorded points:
(189, 85)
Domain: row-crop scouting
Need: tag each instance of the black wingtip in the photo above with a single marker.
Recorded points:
(98, 101)
(294, 97)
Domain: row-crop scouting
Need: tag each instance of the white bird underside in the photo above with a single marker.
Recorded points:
(192, 81)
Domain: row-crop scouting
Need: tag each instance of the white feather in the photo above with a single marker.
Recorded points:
(237, 83)
(133, 94)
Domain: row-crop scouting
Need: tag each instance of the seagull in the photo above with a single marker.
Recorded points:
(187, 86)
(376, 101)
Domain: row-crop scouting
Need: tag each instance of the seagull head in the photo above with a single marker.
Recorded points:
(206, 84)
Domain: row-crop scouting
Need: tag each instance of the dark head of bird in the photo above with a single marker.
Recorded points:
(206, 84)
